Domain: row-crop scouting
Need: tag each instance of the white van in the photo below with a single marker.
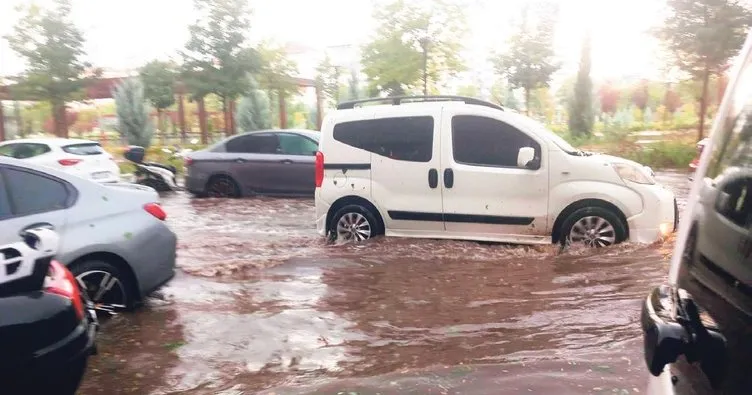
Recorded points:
(461, 168)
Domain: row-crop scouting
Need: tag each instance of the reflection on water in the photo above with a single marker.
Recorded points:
(266, 304)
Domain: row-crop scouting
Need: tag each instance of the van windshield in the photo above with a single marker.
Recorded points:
(558, 140)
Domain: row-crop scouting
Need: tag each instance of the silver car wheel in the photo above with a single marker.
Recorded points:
(353, 226)
(104, 290)
(593, 232)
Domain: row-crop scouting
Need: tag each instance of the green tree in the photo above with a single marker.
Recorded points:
(468, 90)
(414, 44)
(503, 94)
(53, 48)
(217, 58)
(529, 61)
(134, 123)
(581, 116)
(277, 69)
(327, 78)
(702, 35)
(353, 85)
(253, 110)
(159, 79)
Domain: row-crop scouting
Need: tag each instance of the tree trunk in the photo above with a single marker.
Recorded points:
(60, 127)
(231, 109)
(181, 119)
(202, 121)
(703, 102)
(527, 101)
(160, 126)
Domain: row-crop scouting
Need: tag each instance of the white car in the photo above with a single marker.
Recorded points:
(462, 168)
(83, 158)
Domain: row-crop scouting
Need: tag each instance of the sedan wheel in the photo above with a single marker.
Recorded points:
(222, 187)
(105, 290)
(593, 232)
(353, 226)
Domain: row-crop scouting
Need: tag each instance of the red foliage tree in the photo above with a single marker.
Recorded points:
(672, 101)
(609, 98)
(640, 95)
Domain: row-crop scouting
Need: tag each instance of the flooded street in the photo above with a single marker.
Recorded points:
(262, 304)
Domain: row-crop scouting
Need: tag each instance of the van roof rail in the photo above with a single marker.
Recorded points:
(397, 100)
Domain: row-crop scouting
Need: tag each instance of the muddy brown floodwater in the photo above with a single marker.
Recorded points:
(262, 304)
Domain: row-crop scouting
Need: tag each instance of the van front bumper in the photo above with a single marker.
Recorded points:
(659, 216)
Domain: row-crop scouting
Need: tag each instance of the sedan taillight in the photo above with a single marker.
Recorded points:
(60, 281)
(156, 210)
(69, 162)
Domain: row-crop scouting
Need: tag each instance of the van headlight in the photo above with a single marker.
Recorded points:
(632, 173)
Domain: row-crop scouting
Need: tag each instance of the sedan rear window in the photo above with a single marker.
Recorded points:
(84, 149)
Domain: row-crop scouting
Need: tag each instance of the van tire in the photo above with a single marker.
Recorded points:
(589, 222)
(354, 215)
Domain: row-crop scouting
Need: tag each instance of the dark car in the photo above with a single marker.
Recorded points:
(47, 325)
(698, 327)
(276, 162)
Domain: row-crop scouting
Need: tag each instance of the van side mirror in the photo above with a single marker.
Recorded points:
(525, 157)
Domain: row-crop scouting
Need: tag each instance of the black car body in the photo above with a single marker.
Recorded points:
(697, 328)
(47, 326)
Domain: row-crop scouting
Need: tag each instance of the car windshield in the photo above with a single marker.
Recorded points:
(84, 149)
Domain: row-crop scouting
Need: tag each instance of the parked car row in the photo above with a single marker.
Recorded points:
(441, 167)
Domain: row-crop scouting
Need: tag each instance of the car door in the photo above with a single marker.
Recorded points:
(31, 199)
(297, 158)
(254, 162)
(485, 194)
(404, 169)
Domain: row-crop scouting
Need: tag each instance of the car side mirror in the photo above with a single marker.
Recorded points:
(525, 157)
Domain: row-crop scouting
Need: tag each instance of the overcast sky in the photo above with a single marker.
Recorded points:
(124, 34)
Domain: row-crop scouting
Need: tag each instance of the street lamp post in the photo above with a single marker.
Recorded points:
(424, 43)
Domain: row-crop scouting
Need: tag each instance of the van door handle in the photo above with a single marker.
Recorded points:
(433, 178)
(448, 178)
(286, 161)
(240, 160)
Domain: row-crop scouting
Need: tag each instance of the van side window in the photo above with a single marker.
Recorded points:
(403, 138)
(485, 141)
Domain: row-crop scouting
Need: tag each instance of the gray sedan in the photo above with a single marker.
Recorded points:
(276, 162)
(112, 236)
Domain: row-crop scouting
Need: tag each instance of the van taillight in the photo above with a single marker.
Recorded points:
(319, 169)
(60, 281)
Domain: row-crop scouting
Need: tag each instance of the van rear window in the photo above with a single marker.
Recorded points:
(84, 149)
(402, 138)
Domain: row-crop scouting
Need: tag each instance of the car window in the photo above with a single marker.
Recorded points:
(84, 149)
(7, 150)
(404, 138)
(485, 141)
(294, 144)
(263, 143)
(28, 150)
(31, 193)
(4, 204)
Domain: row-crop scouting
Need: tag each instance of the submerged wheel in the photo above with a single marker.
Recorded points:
(106, 286)
(593, 227)
(222, 187)
(355, 223)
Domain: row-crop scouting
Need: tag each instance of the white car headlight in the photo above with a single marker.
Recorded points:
(633, 173)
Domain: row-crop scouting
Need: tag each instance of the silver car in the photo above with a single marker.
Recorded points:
(276, 162)
(113, 237)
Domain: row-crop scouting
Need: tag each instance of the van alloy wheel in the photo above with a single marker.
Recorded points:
(593, 232)
(106, 291)
(353, 226)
